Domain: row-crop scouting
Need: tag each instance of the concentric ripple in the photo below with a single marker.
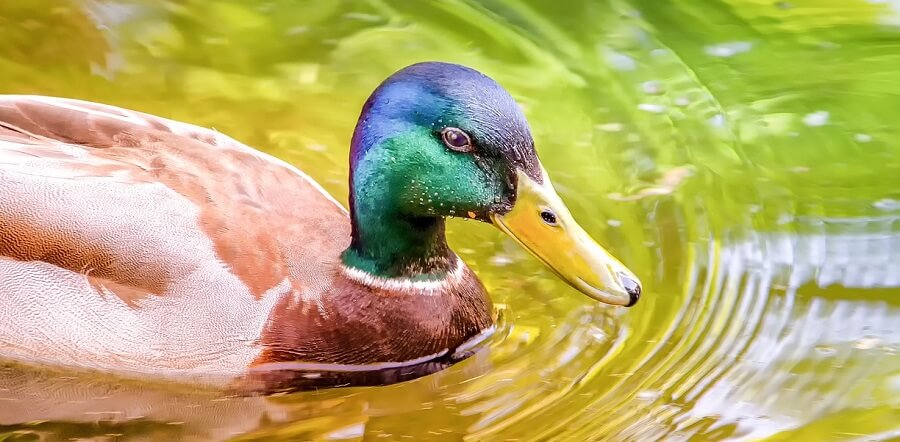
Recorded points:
(738, 155)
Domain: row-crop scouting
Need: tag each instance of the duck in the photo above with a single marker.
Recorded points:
(136, 245)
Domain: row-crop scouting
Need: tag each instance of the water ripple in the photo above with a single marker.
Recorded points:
(736, 153)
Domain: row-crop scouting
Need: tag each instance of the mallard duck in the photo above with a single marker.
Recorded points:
(135, 244)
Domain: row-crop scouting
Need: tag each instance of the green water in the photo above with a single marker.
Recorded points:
(739, 155)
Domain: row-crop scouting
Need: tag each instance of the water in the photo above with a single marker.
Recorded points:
(739, 155)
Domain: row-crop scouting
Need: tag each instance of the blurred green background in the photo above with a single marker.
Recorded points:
(739, 155)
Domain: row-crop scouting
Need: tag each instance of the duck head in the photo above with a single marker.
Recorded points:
(440, 140)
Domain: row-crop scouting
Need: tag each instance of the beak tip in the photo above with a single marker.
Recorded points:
(633, 288)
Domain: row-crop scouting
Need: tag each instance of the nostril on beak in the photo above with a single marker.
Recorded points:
(633, 289)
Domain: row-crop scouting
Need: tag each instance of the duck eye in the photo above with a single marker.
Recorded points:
(549, 217)
(456, 139)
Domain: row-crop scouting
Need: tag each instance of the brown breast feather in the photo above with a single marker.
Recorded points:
(266, 221)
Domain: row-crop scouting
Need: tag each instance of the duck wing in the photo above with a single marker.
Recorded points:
(130, 241)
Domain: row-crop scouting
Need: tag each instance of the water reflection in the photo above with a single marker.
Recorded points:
(737, 154)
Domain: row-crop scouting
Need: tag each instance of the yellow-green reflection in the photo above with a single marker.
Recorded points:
(736, 154)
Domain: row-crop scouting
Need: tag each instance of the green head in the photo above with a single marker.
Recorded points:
(437, 140)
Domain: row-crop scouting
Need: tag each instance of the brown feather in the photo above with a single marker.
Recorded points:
(216, 255)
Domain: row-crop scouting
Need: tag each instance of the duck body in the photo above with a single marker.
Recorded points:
(131, 243)
(134, 244)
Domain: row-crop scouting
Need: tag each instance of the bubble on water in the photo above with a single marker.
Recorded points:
(610, 127)
(620, 61)
(866, 343)
(613, 222)
(717, 120)
(354, 431)
(729, 49)
(784, 218)
(599, 334)
(826, 350)
(361, 16)
(652, 108)
(501, 260)
(296, 30)
(816, 119)
(652, 87)
(887, 204)
(648, 395)
(862, 138)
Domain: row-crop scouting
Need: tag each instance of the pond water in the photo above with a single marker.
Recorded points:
(741, 156)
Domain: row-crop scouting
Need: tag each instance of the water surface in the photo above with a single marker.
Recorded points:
(740, 155)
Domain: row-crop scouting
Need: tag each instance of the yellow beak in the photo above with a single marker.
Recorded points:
(542, 224)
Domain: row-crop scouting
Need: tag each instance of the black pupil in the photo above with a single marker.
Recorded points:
(456, 139)
(548, 217)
